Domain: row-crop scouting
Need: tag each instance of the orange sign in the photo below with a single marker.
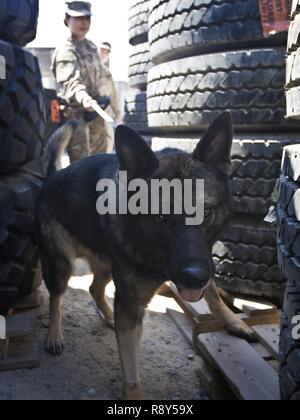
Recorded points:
(275, 15)
(55, 112)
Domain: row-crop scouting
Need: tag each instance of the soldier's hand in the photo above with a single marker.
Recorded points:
(120, 121)
(87, 104)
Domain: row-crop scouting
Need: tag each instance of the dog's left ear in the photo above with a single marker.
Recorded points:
(133, 153)
(215, 145)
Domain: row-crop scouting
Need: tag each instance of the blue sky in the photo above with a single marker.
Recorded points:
(110, 23)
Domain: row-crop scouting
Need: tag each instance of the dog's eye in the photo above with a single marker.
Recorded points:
(160, 219)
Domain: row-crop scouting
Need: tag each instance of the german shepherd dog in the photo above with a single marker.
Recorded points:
(139, 252)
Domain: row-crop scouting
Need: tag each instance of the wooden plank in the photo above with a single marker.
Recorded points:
(262, 351)
(203, 327)
(4, 344)
(250, 307)
(184, 325)
(200, 310)
(213, 382)
(23, 354)
(29, 302)
(274, 365)
(165, 291)
(261, 319)
(20, 324)
(269, 336)
(254, 310)
(248, 375)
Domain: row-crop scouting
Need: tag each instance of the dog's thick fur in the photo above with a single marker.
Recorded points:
(139, 252)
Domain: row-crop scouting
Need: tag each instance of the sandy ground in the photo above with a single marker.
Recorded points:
(89, 367)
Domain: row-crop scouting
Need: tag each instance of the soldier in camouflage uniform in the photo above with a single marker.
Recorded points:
(108, 88)
(77, 68)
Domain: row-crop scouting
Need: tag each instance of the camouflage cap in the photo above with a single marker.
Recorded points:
(78, 8)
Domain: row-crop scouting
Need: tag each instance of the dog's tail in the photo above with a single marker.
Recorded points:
(56, 147)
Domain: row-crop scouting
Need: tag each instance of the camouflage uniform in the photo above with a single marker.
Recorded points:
(78, 72)
(108, 88)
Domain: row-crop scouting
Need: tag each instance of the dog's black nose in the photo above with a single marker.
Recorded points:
(195, 276)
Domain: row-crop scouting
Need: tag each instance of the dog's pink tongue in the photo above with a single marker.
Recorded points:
(191, 295)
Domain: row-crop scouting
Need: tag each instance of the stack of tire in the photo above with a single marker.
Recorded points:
(139, 65)
(289, 261)
(289, 226)
(208, 57)
(293, 64)
(22, 121)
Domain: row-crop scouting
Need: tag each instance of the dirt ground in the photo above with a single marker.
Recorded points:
(89, 367)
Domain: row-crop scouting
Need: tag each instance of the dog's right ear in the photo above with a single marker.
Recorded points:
(133, 153)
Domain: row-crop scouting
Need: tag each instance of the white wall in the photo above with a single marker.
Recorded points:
(110, 23)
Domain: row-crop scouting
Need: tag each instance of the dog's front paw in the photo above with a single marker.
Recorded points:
(239, 329)
(54, 345)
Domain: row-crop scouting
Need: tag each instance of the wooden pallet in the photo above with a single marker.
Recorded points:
(231, 368)
(20, 349)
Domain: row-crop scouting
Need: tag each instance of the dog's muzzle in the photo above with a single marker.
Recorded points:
(193, 281)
